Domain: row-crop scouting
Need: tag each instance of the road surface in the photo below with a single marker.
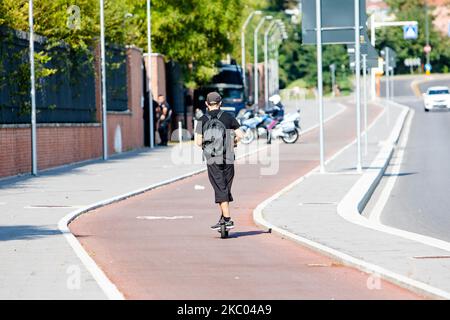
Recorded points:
(183, 259)
(420, 199)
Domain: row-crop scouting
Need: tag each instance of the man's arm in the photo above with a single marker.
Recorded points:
(199, 139)
(238, 135)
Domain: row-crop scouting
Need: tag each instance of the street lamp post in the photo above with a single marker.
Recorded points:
(358, 86)
(320, 82)
(333, 79)
(392, 83)
(366, 133)
(32, 92)
(277, 38)
(243, 63)
(149, 72)
(255, 58)
(103, 77)
(266, 63)
(427, 31)
(387, 72)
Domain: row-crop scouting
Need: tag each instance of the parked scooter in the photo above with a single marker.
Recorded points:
(289, 129)
(254, 126)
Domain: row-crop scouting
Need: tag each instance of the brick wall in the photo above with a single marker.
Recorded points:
(130, 124)
(57, 144)
(15, 150)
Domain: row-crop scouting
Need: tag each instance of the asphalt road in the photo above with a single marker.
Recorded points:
(420, 199)
(183, 259)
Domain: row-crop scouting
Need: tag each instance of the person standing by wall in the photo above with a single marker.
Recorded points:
(146, 117)
(164, 115)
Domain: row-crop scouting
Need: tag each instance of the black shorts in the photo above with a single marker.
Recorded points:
(221, 178)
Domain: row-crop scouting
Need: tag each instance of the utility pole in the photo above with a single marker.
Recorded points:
(320, 82)
(358, 86)
(364, 56)
(333, 79)
(149, 72)
(32, 92)
(103, 77)
(266, 62)
(255, 58)
(243, 62)
(427, 31)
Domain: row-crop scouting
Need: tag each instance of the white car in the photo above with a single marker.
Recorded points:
(437, 98)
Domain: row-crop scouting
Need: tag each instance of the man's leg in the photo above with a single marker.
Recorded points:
(166, 134)
(228, 174)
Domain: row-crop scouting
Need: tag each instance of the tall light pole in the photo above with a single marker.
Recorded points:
(149, 72)
(427, 31)
(32, 92)
(364, 56)
(320, 82)
(243, 63)
(266, 62)
(103, 77)
(358, 85)
(333, 79)
(255, 58)
(387, 71)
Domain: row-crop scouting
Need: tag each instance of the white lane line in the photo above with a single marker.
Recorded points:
(199, 187)
(339, 255)
(163, 218)
(396, 163)
(51, 207)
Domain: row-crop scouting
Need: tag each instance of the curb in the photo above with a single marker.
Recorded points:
(106, 285)
(349, 208)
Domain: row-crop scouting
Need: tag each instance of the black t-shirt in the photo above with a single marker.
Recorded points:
(227, 119)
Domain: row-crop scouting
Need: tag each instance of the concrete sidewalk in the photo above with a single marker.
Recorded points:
(37, 261)
(315, 212)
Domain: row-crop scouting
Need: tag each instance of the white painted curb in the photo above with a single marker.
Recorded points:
(350, 207)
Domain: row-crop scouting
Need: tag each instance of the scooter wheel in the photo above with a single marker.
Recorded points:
(223, 232)
(249, 136)
(292, 138)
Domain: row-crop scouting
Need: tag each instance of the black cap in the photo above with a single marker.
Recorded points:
(213, 98)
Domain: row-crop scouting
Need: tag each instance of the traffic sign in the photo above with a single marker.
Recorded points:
(412, 62)
(428, 67)
(427, 49)
(410, 32)
(338, 21)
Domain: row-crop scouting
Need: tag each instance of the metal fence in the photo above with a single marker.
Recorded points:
(65, 83)
(116, 79)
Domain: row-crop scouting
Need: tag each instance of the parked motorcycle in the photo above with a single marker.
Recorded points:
(289, 129)
(254, 126)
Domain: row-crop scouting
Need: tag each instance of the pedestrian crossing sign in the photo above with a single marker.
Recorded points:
(410, 32)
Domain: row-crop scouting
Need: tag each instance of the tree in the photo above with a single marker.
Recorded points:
(393, 37)
(194, 33)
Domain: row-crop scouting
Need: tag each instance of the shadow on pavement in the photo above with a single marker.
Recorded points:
(10, 233)
(246, 233)
(24, 181)
(401, 174)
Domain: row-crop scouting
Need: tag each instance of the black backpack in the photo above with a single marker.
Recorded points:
(214, 137)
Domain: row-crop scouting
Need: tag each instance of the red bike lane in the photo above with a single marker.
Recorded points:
(183, 259)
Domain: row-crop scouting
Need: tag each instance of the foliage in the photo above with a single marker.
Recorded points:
(393, 37)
